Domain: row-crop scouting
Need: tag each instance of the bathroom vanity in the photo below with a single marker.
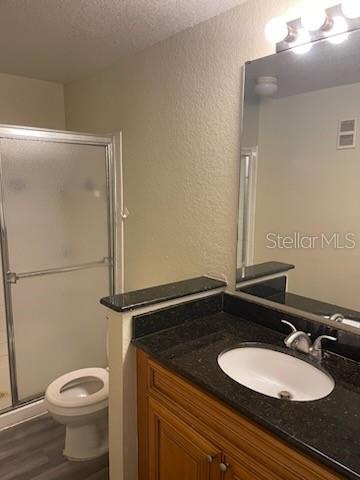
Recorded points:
(195, 422)
(185, 433)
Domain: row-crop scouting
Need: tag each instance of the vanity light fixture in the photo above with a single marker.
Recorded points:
(302, 43)
(339, 33)
(314, 17)
(277, 30)
(351, 8)
(316, 23)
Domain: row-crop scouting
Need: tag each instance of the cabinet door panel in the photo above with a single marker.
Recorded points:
(176, 451)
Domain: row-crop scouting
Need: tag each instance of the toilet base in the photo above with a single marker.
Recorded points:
(86, 442)
(100, 454)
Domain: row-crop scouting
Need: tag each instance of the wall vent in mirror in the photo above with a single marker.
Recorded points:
(316, 23)
(347, 134)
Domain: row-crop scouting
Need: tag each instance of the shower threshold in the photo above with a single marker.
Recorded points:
(13, 416)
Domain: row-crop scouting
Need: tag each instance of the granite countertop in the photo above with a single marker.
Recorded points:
(261, 270)
(327, 429)
(124, 302)
(316, 306)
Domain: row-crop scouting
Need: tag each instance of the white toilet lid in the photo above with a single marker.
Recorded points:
(59, 392)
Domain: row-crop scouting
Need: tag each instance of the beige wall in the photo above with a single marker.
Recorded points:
(299, 161)
(31, 102)
(178, 105)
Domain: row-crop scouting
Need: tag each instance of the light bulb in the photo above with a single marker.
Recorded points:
(351, 8)
(338, 32)
(313, 17)
(302, 43)
(276, 30)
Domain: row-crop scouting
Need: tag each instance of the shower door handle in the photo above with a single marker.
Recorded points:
(13, 277)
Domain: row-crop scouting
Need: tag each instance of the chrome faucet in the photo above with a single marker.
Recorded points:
(300, 341)
(316, 350)
(336, 317)
(340, 318)
(297, 340)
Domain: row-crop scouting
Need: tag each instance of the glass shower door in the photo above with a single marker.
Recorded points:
(56, 213)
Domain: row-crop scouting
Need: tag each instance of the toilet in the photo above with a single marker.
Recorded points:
(79, 400)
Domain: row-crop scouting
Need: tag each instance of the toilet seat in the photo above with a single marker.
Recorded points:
(59, 394)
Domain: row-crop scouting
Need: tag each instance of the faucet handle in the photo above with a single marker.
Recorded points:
(317, 342)
(293, 328)
(335, 317)
(316, 349)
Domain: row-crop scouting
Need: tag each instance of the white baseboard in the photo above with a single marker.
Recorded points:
(22, 414)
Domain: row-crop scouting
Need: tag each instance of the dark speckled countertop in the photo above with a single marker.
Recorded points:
(261, 270)
(124, 302)
(328, 429)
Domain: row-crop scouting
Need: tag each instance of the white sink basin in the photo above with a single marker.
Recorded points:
(276, 374)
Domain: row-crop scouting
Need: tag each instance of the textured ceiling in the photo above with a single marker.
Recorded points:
(62, 40)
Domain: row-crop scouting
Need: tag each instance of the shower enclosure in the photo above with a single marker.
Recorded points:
(57, 214)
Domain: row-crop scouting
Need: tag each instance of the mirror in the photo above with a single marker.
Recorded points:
(299, 208)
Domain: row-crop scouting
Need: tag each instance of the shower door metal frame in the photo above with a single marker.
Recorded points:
(248, 199)
(54, 136)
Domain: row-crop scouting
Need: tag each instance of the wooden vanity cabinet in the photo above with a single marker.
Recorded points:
(176, 451)
(185, 434)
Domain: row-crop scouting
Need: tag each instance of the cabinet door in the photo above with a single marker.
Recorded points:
(236, 468)
(176, 451)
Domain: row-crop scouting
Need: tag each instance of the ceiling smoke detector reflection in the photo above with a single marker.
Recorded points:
(266, 86)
